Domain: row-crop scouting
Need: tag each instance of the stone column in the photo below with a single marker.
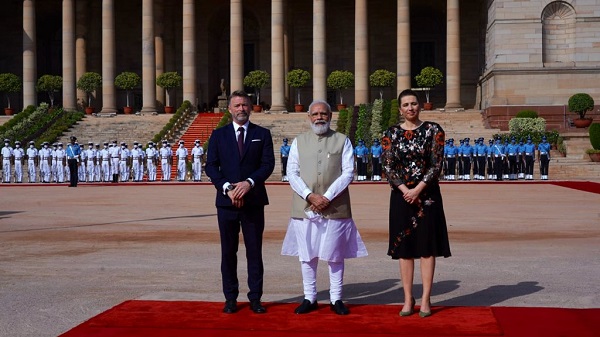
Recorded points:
(108, 57)
(403, 79)
(189, 51)
(277, 57)
(148, 60)
(29, 54)
(319, 51)
(159, 47)
(68, 56)
(361, 53)
(453, 56)
(80, 45)
(236, 53)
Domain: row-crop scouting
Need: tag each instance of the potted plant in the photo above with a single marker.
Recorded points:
(257, 79)
(594, 152)
(9, 83)
(298, 78)
(382, 78)
(127, 81)
(580, 104)
(169, 81)
(89, 82)
(428, 78)
(49, 84)
(340, 80)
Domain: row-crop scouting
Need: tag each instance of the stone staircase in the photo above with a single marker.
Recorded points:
(460, 124)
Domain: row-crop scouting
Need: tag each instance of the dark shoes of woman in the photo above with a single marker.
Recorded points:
(411, 310)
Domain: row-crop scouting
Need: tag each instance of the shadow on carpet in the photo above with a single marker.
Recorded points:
(186, 318)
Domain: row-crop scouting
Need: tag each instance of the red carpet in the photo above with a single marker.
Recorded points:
(586, 186)
(182, 319)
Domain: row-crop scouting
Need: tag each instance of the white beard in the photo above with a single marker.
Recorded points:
(320, 129)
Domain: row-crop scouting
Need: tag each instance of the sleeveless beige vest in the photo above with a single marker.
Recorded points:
(320, 161)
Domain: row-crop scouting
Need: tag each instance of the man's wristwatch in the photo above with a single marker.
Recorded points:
(229, 188)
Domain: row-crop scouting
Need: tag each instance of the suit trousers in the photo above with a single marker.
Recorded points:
(251, 220)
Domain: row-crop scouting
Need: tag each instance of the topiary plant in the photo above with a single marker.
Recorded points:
(257, 79)
(382, 78)
(428, 78)
(340, 80)
(298, 78)
(527, 114)
(580, 104)
(9, 83)
(168, 81)
(127, 81)
(594, 132)
(88, 83)
(50, 84)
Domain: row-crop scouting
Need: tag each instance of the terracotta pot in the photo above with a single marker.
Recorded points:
(427, 106)
(169, 109)
(127, 110)
(595, 157)
(9, 111)
(89, 110)
(256, 108)
(341, 107)
(582, 122)
(299, 107)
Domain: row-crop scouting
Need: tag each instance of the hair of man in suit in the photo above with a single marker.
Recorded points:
(239, 93)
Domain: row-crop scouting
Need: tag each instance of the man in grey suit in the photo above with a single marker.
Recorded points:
(239, 160)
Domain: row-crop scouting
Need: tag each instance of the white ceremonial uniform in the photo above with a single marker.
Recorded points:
(61, 154)
(54, 162)
(151, 155)
(181, 154)
(19, 155)
(90, 154)
(314, 238)
(7, 153)
(115, 154)
(197, 153)
(83, 168)
(45, 169)
(123, 165)
(165, 155)
(136, 160)
(98, 165)
(32, 154)
(105, 164)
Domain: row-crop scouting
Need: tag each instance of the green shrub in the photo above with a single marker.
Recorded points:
(50, 84)
(580, 104)
(382, 78)
(376, 116)
(527, 114)
(9, 83)
(519, 125)
(342, 121)
(394, 113)
(363, 126)
(161, 135)
(340, 80)
(257, 79)
(594, 131)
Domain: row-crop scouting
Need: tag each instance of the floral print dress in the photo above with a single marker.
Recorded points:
(409, 157)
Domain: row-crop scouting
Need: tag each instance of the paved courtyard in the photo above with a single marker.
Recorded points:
(67, 254)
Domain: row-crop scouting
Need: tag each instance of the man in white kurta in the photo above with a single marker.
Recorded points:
(320, 168)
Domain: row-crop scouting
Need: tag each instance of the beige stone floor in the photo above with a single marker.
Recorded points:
(67, 254)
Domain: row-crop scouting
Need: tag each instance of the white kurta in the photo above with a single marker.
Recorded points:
(327, 239)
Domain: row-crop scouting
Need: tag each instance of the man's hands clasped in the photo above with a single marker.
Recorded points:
(238, 192)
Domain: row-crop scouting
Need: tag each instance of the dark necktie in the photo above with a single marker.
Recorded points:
(241, 140)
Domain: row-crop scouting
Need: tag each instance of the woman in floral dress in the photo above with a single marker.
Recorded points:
(412, 160)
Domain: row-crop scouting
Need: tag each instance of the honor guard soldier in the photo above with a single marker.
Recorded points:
(105, 163)
(142, 162)
(124, 163)
(98, 166)
(90, 156)
(362, 156)
(32, 162)
(182, 154)
(512, 150)
(53, 167)
(45, 154)
(521, 159)
(61, 158)
(7, 157)
(459, 159)
(498, 153)
(529, 158)
(136, 162)
(18, 156)
(376, 152)
(544, 157)
(467, 155)
(82, 170)
(451, 153)
(165, 161)
(197, 153)
(474, 162)
(481, 151)
(284, 151)
(73, 154)
(115, 157)
(490, 160)
(151, 159)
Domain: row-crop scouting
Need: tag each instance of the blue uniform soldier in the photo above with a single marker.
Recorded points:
(544, 158)
(459, 159)
(512, 150)
(529, 158)
(490, 160)
(521, 159)
(284, 151)
(481, 153)
(506, 167)
(376, 151)
(362, 157)
(451, 154)
(498, 154)
(467, 155)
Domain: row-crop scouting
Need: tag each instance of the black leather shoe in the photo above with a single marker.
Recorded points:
(306, 307)
(257, 307)
(339, 308)
(230, 307)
